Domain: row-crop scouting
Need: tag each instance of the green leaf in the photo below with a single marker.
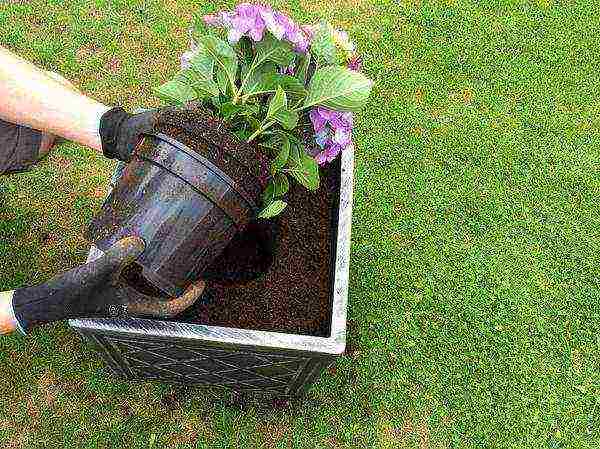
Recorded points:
(224, 58)
(242, 133)
(282, 157)
(266, 83)
(268, 195)
(202, 64)
(277, 103)
(276, 188)
(216, 102)
(253, 122)
(338, 88)
(274, 50)
(323, 46)
(303, 168)
(257, 78)
(273, 209)
(287, 118)
(281, 184)
(250, 109)
(201, 73)
(279, 111)
(204, 87)
(274, 142)
(288, 83)
(176, 91)
(302, 68)
(230, 110)
(223, 82)
(245, 51)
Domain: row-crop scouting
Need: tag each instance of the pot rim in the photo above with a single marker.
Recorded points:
(202, 160)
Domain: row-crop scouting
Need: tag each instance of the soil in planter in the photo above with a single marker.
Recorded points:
(276, 275)
(247, 257)
(294, 295)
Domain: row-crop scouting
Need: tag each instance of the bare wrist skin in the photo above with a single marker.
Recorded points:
(8, 322)
(33, 98)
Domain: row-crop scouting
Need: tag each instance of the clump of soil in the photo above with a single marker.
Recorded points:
(294, 294)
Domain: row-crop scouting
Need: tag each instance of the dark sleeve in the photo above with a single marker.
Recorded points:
(19, 147)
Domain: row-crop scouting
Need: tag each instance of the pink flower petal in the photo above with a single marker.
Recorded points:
(327, 113)
(342, 137)
(212, 20)
(233, 36)
(317, 120)
(271, 23)
(321, 158)
(329, 154)
(355, 63)
(257, 33)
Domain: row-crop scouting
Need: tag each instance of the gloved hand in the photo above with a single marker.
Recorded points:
(92, 290)
(120, 131)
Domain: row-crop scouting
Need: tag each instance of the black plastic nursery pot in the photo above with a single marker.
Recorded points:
(260, 363)
(184, 207)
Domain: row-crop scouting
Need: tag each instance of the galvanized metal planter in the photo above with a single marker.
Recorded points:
(257, 362)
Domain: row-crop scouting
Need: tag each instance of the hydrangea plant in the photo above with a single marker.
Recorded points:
(291, 89)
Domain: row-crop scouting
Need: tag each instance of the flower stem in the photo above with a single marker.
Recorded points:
(245, 80)
(260, 130)
(302, 108)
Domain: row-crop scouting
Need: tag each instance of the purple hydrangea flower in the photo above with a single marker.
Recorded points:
(293, 33)
(333, 132)
(272, 22)
(252, 20)
(246, 21)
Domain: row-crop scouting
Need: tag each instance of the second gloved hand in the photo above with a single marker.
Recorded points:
(92, 290)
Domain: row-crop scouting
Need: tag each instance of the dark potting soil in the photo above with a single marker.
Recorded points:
(276, 275)
(294, 294)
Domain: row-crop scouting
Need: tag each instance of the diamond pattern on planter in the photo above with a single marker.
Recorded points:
(175, 362)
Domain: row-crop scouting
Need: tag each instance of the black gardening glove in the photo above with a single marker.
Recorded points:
(92, 291)
(120, 131)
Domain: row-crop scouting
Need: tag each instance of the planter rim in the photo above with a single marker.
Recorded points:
(141, 327)
(335, 344)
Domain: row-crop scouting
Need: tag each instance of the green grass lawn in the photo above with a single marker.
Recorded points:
(474, 297)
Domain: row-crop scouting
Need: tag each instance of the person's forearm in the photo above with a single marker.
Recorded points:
(30, 97)
(8, 322)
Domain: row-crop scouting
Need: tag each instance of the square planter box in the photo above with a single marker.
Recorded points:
(256, 362)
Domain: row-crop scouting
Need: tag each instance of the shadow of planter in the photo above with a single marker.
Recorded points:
(255, 362)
